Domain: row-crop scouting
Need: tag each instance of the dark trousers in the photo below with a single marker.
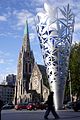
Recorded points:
(52, 109)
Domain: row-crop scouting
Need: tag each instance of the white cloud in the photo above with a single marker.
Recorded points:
(5, 34)
(76, 38)
(3, 18)
(22, 16)
(32, 36)
(77, 26)
(5, 58)
(4, 54)
(1, 61)
(63, 2)
(33, 3)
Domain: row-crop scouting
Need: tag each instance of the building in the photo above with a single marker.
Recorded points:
(25, 89)
(24, 68)
(7, 93)
(11, 79)
(39, 83)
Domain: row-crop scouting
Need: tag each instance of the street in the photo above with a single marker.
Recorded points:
(38, 115)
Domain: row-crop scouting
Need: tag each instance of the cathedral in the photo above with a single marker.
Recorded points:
(31, 82)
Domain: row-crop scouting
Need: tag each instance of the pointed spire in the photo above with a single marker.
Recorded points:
(26, 42)
(26, 28)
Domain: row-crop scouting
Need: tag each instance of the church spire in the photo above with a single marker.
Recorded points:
(26, 28)
(26, 42)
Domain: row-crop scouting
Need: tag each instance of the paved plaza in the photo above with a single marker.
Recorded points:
(38, 115)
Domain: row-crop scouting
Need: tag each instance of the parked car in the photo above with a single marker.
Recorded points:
(76, 106)
(32, 106)
(8, 106)
(68, 105)
(36, 106)
(21, 106)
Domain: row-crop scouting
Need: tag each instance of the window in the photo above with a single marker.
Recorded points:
(29, 68)
(21, 89)
(26, 67)
(28, 54)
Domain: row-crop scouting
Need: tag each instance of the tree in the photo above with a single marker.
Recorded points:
(74, 66)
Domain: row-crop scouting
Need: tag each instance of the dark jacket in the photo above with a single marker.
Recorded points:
(50, 100)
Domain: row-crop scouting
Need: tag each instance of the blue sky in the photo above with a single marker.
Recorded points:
(13, 14)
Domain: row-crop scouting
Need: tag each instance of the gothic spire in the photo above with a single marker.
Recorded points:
(26, 28)
(26, 42)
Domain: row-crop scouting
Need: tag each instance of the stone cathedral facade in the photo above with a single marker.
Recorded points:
(30, 82)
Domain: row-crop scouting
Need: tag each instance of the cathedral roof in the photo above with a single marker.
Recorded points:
(42, 69)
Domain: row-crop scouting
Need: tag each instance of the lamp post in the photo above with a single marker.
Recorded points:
(70, 87)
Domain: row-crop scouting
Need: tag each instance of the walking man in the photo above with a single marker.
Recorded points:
(51, 108)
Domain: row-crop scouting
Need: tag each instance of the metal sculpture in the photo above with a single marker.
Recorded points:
(55, 28)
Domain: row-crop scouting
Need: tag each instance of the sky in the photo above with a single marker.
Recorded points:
(13, 14)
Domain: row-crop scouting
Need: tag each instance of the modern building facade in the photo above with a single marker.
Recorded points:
(7, 93)
(10, 79)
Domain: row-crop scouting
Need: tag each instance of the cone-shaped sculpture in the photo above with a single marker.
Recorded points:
(55, 28)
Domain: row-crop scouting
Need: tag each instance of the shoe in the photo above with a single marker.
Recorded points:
(46, 118)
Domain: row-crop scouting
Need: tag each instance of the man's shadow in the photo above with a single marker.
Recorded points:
(63, 118)
(70, 117)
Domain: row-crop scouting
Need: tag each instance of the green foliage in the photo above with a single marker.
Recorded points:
(74, 66)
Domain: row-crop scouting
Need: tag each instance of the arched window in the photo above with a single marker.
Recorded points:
(26, 68)
(29, 67)
(21, 89)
